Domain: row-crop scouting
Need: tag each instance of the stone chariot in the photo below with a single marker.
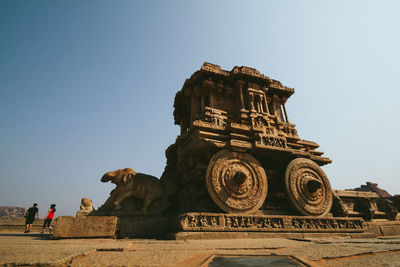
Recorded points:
(238, 148)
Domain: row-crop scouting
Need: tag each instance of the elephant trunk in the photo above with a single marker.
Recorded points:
(106, 178)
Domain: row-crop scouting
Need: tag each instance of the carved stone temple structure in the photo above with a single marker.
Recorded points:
(237, 138)
(238, 165)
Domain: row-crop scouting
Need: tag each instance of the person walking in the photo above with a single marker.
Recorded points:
(30, 217)
(49, 217)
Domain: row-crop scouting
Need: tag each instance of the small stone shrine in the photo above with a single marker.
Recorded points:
(238, 165)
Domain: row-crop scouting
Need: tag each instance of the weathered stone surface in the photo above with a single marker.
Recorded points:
(143, 227)
(364, 204)
(85, 226)
(85, 208)
(18, 249)
(373, 187)
(221, 222)
(396, 201)
(364, 235)
(390, 230)
(143, 192)
(308, 187)
(231, 235)
(241, 113)
(236, 181)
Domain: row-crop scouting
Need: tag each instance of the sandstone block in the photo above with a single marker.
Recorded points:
(85, 227)
(388, 230)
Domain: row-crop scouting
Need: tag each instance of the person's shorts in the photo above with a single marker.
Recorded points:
(29, 220)
(47, 222)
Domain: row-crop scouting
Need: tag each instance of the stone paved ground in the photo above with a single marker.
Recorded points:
(34, 249)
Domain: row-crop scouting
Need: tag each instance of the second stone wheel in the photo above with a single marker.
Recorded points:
(308, 187)
(236, 182)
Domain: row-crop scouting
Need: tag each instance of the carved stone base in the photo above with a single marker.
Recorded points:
(142, 226)
(220, 222)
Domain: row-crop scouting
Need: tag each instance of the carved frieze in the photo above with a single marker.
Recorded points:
(263, 223)
(215, 116)
(264, 140)
(214, 68)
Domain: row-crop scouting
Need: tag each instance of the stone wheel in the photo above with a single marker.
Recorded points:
(236, 182)
(308, 187)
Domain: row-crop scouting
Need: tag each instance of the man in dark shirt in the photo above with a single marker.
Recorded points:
(30, 217)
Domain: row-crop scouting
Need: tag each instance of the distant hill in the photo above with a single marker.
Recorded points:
(13, 212)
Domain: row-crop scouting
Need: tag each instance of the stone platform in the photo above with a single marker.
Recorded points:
(19, 249)
(214, 226)
(222, 226)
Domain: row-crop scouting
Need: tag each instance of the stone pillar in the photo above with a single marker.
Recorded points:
(252, 102)
(284, 110)
(266, 104)
(240, 85)
(261, 103)
(277, 107)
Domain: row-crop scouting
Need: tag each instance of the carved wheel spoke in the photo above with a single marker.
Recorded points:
(236, 182)
(308, 187)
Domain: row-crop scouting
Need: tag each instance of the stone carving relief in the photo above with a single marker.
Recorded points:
(270, 141)
(263, 223)
(308, 188)
(236, 182)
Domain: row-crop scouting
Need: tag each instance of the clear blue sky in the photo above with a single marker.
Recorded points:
(88, 86)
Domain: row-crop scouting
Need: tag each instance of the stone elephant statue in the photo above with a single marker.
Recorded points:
(131, 184)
